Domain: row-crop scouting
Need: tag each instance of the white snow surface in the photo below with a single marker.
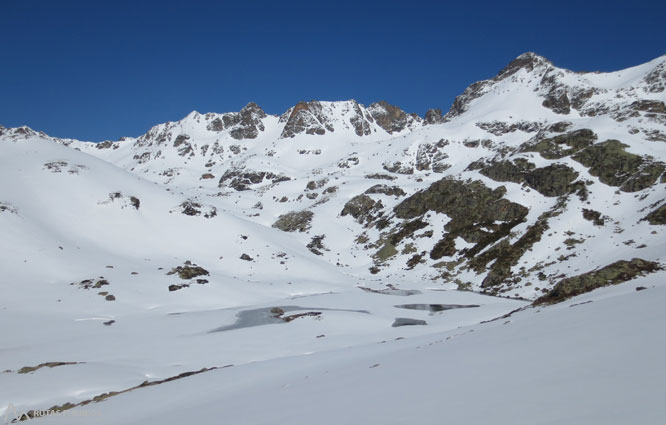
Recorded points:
(72, 211)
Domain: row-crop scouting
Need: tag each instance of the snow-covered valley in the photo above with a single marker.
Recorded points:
(500, 263)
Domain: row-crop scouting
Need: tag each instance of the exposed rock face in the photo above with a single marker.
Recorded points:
(361, 120)
(243, 179)
(657, 216)
(305, 117)
(245, 124)
(616, 167)
(558, 101)
(451, 229)
(593, 216)
(562, 91)
(466, 201)
(552, 180)
(362, 207)
(316, 245)
(528, 61)
(193, 208)
(656, 79)
(398, 168)
(654, 106)
(317, 118)
(391, 118)
(188, 271)
(563, 145)
(385, 190)
(431, 156)
(294, 221)
(607, 160)
(478, 215)
(612, 274)
(433, 116)
(499, 128)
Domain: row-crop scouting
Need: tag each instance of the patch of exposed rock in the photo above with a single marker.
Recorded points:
(294, 221)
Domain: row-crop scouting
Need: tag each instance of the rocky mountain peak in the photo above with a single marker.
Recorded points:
(245, 124)
(305, 117)
(433, 116)
(391, 118)
(253, 109)
(317, 118)
(528, 61)
(656, 79)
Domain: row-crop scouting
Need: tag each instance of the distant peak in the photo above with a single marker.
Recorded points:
(192, 115)
(528, 61)
(253, 108)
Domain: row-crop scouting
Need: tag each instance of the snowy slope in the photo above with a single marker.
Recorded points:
(608, 370)
(292, 247)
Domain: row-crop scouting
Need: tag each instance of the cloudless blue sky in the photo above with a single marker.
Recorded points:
(96, 69)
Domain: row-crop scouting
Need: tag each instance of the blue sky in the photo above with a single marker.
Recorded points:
(96, 70)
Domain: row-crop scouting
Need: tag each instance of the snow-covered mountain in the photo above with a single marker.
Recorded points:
(185, 243)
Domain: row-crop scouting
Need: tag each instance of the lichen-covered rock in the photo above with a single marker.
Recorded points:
(385, 190)
(240, 180)
(474, 211)
(316, 245)
(188, 271)
(405, 230)
(91, 283)
(466, 201)
(446, 247)
(553, 180)
(294, 221)
(193, 208)
(180, 139)
(562, 145)
(612, 274)
(559, 127)
(60, 166)
(593, 216)
(316, 184)
(505, 254)
(362, 207)
(499, 128)
(387, 251)
(654, 106)
(378, 176)
(615, 167)
(125, 201)
(135, 202)
(657, 216)
(430, 155)
(557, 101)
(398, 168)
(504, 171)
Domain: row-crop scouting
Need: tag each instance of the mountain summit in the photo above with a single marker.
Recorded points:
(527, 150)
(299, 252)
